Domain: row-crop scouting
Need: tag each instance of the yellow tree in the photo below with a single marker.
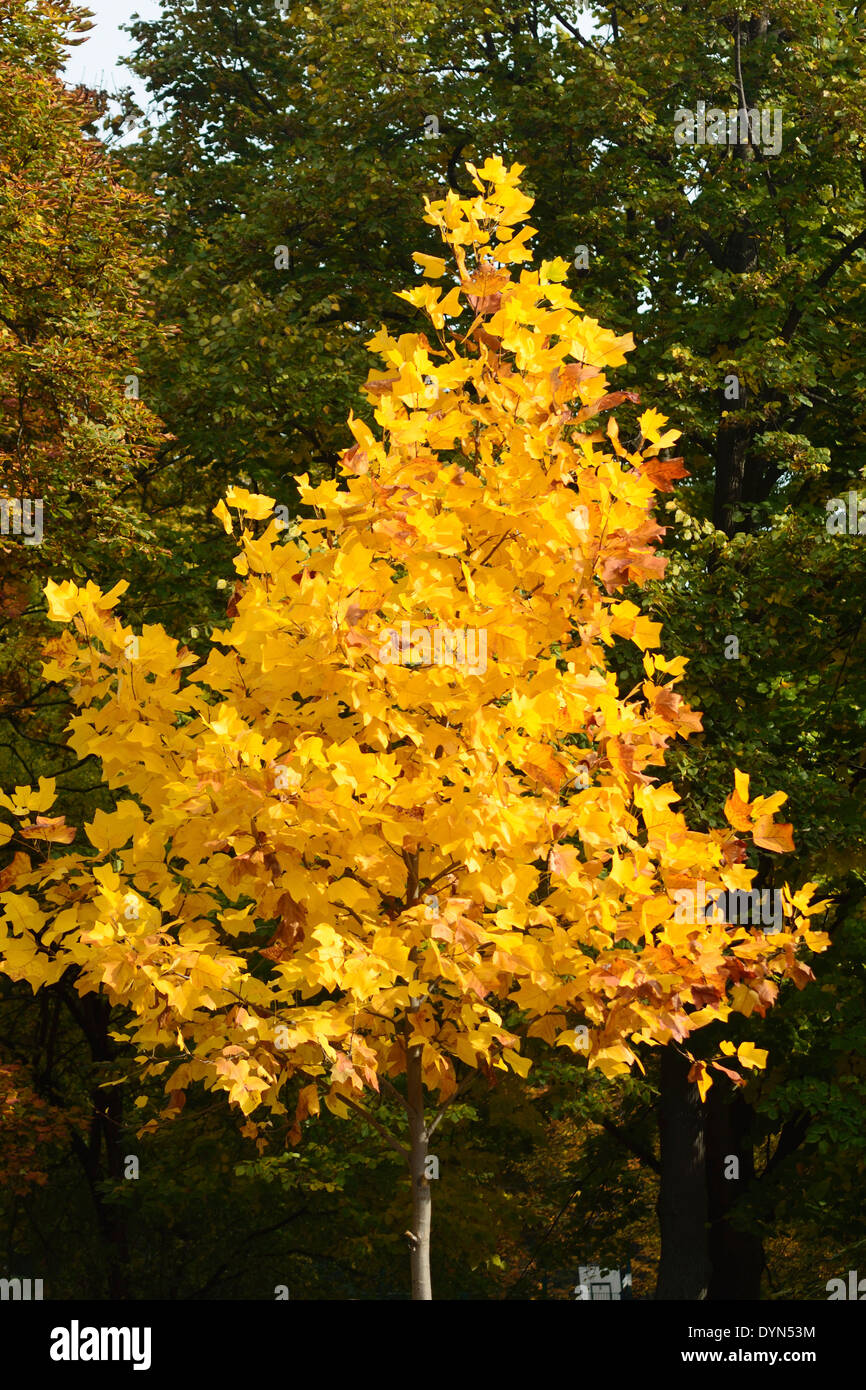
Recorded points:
(401, 814)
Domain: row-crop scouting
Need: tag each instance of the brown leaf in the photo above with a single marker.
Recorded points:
(732, 1075)
(488, 339)
(606, 403)
(289, 932)
(671, 706)
(52, 828)
(800, 973)
(576, 372)
(20, 865)
(380, 387)
(663, 472)
(232, 605)
(734, 851)
(613, 571)
(485, 303)
(355, 460)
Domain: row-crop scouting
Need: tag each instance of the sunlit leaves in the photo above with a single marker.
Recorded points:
(354, 829)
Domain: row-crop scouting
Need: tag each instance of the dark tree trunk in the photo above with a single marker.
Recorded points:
(684, 1266)
(736, 1256)
(732, 447)
(94, 1016)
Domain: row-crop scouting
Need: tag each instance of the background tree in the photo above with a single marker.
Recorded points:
(79, 492)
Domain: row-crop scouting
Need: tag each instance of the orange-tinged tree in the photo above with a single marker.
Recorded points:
(30, 1126)
(402, 814)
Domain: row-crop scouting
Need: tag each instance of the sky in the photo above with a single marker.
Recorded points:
(98, 62)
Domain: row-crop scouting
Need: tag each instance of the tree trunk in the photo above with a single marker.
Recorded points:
(684, 1266)
(93, 1015)
(732, 448)
(737, 1256)
(422, 1198)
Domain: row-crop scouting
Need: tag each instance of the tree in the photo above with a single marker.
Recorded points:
(77, 442)
(75, 436)
(286, 226)
(744, 263)
(352, 850)
(73, 431)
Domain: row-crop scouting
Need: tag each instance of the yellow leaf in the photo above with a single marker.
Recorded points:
(434, 266)
(222, 513)
(28, 799)
(63, 600)
(750, 1056)
(516, 1062)
(255, 504)
(701, 1077)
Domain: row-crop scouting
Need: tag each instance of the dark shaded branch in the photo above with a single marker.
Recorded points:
(623, 1137)
(792, 322)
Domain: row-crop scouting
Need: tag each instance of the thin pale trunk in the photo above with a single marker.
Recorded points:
(422, 1197)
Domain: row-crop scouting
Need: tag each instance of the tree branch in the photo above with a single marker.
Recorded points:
(632, 1145)
(792, 322)
(380, 1128)
(463, 1086)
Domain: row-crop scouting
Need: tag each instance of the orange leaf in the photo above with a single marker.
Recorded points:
(663, 472)
(737, 812)
(699, 1074)
(53, 828)
(732, 1075)
(606, 403)
(775, 835)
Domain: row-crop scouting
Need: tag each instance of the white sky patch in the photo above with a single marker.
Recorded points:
(98, 62)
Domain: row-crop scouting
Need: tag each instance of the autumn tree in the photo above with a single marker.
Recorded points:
(77, 436)
(74, 429)
(78, 441)
(291, 148)
(402, 814)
